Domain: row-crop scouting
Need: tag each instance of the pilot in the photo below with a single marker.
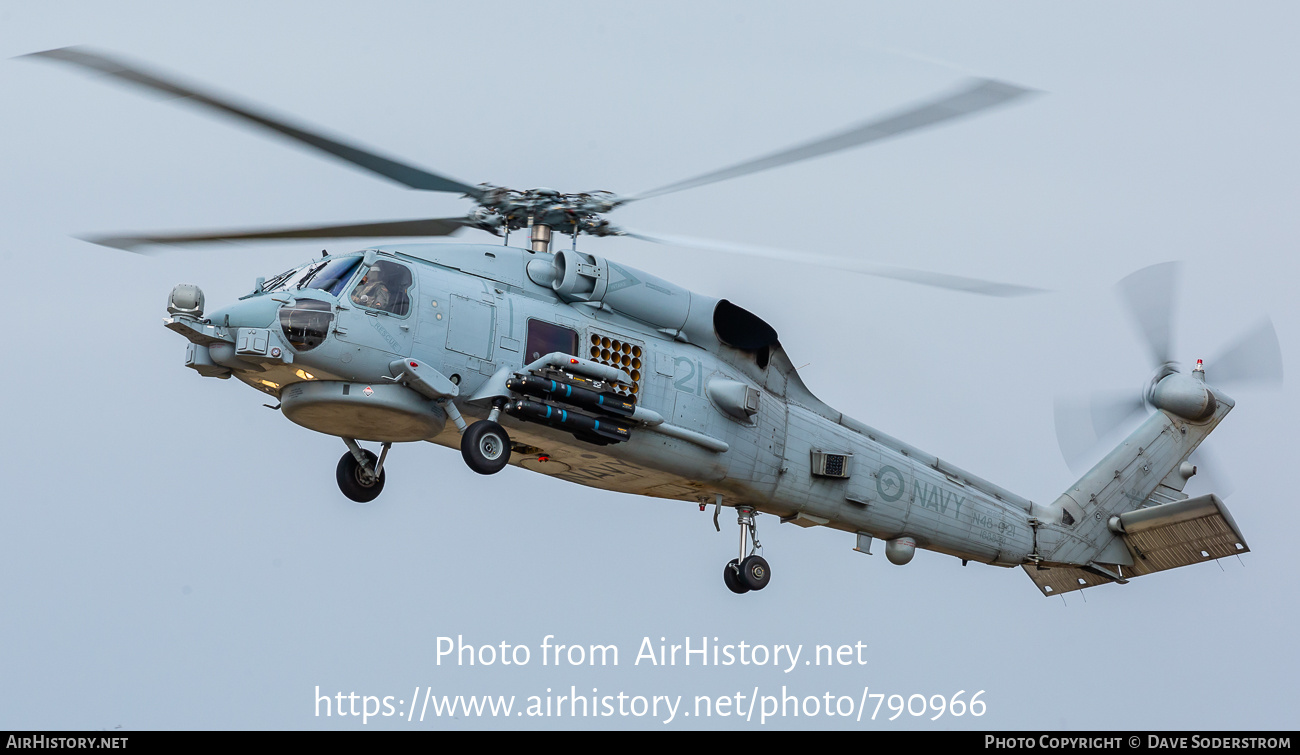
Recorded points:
(372, 291)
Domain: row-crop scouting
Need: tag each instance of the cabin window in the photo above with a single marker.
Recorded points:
(546, 338)
(385, 287)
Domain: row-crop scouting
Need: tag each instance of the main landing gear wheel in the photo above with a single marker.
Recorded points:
(755, 572)
(486, 447)
(355, 481)
(731, 576)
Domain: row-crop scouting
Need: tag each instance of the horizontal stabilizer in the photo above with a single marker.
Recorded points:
(1054, 580)
(1179, 534)
(1161, 537)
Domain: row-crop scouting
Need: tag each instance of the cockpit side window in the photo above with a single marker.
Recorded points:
(385, 287)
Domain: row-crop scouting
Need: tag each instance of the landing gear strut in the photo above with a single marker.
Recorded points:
(360, 474)
(748, 572)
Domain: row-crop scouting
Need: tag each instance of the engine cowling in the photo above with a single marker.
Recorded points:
(589, 278)
(701, 320)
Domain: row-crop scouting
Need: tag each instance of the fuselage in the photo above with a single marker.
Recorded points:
(476, 313)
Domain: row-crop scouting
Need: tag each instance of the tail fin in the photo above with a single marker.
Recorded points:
(1128, 516)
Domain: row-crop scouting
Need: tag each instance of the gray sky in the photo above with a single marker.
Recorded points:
(175, 556)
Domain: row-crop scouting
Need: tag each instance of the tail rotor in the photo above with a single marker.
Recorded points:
(1252, 359)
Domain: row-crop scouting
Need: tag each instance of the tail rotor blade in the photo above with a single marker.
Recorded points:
(1254, 357)
(1211, 473)
(1149, 296)
(1081, 423)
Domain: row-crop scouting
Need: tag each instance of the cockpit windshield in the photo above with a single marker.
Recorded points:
(331, 277)
(285, 280)
(329, 274)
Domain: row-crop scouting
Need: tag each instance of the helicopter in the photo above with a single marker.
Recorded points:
(575, 366)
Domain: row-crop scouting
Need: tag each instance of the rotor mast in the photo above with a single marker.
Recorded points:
(540, 234)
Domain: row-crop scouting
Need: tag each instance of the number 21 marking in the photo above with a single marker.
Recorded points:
(695, 370)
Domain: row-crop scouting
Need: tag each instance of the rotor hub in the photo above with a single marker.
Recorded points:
(1161, 372)
(502, 209)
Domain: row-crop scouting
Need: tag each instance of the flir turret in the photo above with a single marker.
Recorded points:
(186, 300)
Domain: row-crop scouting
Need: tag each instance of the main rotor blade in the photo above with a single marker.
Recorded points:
(924, 278)
(1253, 357)
(1082, 423)
(1149, 296)
(416, 178)
(975, 95)
(381, 229)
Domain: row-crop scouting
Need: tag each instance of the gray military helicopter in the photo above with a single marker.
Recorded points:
(571, 365)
